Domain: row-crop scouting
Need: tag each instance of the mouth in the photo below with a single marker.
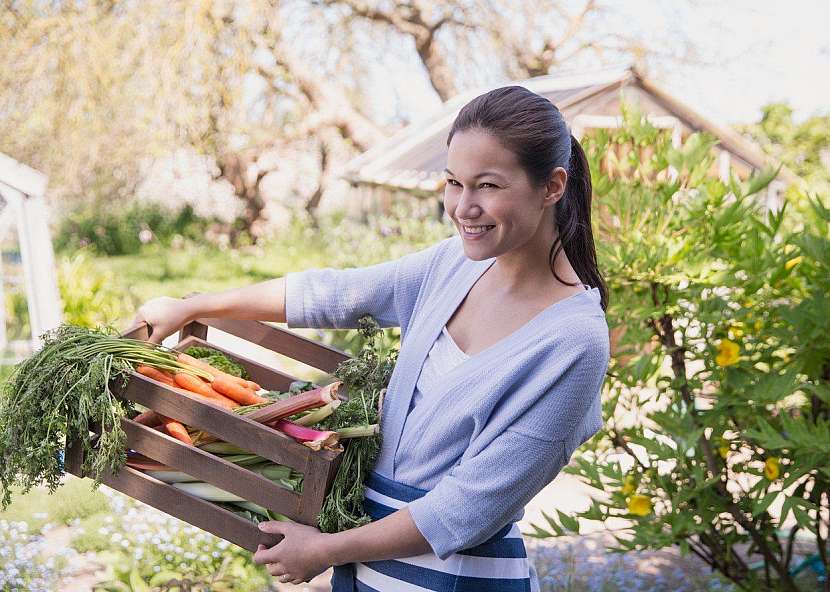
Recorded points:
(475, 232)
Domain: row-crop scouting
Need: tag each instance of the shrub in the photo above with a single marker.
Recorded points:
(718, 395)
(112, 229)
(90, 296)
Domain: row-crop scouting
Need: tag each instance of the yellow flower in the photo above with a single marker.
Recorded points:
(728, 353)
(757, 326)
(736, 331)
(771, 470)
(639, 505)
(723, 450)
(628, 485)
(793, 262)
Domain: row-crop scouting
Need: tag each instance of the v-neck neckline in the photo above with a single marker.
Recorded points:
(528, 326)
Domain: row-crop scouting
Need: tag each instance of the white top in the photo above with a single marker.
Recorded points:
(442, 357)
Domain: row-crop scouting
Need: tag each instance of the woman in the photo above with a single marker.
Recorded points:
(503, 353)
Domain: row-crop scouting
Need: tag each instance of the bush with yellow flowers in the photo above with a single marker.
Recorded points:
(717, 400)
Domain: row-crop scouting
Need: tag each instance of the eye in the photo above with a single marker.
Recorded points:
(490, 184)
(453, 182)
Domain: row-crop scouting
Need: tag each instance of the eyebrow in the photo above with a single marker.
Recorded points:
(494, 173)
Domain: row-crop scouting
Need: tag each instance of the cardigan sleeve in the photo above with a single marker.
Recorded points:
(484, 491)
(331, 298)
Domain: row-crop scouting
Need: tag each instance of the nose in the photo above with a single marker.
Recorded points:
(467, 209)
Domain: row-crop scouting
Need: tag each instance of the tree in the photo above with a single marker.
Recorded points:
(718, 397)
(802, 147)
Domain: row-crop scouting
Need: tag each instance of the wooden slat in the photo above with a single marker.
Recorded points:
(191, 509)
(314, 490)
(72, 458)
(268, 378)
(309, 352)
(140, 331)
(195, 328)
(196, 412)
(213, 469)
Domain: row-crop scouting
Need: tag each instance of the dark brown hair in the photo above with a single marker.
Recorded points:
(533, 128)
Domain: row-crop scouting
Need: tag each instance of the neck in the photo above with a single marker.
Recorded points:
(526, 270)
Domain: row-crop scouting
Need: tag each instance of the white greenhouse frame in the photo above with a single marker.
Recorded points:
(23, 208)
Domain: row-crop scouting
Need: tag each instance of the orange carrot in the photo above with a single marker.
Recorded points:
(156, 374)
(176, 429)
(200, 387)
(233, 390)
(141, 462)
(186, 359)
(149, 418)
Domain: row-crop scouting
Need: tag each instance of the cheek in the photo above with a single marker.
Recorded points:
(449, 199)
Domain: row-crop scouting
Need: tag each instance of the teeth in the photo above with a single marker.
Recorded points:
(477, 229)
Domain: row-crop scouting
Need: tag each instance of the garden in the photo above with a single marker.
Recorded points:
(711, 472)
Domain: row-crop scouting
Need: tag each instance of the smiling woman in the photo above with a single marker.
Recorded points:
(503, 354)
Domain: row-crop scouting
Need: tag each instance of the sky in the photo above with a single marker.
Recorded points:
(753, 53)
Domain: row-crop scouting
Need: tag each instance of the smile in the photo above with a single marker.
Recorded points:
(475, 232)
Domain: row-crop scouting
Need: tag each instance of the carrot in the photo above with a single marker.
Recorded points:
(156, 374)
(200, 387)
(139, 461)
(233, 390)
(149, 418)
(186, 359)
(176, 429)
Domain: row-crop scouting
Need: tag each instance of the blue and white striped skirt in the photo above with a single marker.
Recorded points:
(499, 564)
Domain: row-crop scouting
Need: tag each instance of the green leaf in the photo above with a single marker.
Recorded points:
(137, 583)
(760, 507)
(163, 577)
(804, 519)
(569, 522)
(553, 524)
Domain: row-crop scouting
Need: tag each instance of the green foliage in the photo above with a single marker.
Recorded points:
(90, 296)
(718, 394)
(111, 229)
(801, 146)
(365, 377)
(17, 314)
(218, 360)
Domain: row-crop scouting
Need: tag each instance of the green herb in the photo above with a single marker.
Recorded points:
(366, 377)
(62, 390)
(218, 360)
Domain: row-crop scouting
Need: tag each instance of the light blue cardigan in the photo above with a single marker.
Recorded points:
(509, 417)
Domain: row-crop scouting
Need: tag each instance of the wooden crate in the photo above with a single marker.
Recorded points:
(318, 467)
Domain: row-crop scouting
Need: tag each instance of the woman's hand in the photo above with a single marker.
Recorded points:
(164, 315)
(298, 557)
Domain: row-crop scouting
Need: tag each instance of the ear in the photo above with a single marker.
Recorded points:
(555, 187)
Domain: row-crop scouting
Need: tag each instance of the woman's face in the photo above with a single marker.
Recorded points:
(487, 190)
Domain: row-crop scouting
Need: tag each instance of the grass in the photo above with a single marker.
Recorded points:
(74, 499)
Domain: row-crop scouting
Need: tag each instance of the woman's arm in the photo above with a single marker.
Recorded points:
(264, 301)
(304, 552)
(388, 538)
(321, 298)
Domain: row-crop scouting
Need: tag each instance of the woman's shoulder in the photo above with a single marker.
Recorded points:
(581, 328)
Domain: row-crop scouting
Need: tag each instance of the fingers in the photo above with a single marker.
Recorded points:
(276, 569)
(264, 555)
(273, 527)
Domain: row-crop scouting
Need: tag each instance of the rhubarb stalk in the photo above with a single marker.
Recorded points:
(314, 439)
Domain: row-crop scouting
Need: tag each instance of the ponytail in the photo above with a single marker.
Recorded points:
(533, 128)
(573, 223)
